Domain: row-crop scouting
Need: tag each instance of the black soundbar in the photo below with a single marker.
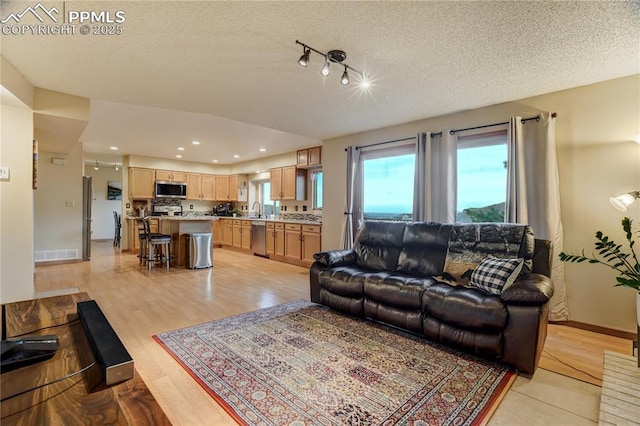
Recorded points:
(110, 353)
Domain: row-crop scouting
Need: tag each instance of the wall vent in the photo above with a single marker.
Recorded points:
(52, 255)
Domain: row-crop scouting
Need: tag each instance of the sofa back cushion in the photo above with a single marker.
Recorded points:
(378, 245)
(424, 248)
(470, 243)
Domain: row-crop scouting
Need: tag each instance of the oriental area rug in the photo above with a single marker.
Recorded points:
(303, 364)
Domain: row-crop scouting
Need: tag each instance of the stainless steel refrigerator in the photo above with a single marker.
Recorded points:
(87, 201)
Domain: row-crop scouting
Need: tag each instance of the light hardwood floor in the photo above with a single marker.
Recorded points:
(140, 303)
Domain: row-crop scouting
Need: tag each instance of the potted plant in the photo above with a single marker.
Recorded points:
(612, 255)
(236, 212)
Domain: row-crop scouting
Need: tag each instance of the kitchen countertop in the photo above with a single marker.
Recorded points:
(212, 218)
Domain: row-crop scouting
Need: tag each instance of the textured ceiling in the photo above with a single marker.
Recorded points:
(236, 62)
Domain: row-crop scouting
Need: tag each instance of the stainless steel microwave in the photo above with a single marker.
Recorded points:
(166, 189)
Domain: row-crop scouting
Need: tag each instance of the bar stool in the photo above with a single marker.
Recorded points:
(142, 237)
(156, 242)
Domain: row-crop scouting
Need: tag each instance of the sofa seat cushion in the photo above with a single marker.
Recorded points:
(399, 291)
(408, 319)
(345, 281)
(465, 308)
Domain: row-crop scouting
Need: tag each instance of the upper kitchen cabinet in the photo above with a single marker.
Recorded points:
(222, 187)
(141, 183)
(171, 176)
(208, 187)
(288, 183)
(228, 188)
(194, 186)
(310, 157)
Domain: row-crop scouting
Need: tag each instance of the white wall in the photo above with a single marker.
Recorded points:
(594, 130)
(16, 204)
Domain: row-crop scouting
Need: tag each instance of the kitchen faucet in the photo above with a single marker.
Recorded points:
(259, 208)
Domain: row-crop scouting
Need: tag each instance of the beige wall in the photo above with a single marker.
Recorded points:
(58, 203)
(595, 123)
(16, 204)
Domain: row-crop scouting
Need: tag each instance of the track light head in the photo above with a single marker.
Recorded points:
(96, 167)
(345, 77)
(304, 59)
(325, 68)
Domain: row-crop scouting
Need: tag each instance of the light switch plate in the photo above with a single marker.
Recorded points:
(68, 203)
(4, 173)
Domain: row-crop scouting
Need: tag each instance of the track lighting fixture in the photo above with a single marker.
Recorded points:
(115, 167)
(96, 167)
(337, 56)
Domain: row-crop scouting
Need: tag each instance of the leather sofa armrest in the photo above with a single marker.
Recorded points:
(334, 258)
(531, 289)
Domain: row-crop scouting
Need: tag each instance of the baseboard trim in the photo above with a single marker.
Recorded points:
(598, 329)
(58, 262)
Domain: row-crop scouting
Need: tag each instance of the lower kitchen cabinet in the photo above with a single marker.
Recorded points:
(275, 239)
(218, 234)
(311, 242)
(227, 232)
(302, 242)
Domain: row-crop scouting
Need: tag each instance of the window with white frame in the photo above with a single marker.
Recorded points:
(387, 182)
(482, 177)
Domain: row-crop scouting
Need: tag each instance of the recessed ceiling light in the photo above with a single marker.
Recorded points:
(236, 156)
(180, 148)
(113, 148)
(196, 142)
(263, 149)
(178, 156)
(214, 161)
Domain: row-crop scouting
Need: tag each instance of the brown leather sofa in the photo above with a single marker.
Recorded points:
(395, 273)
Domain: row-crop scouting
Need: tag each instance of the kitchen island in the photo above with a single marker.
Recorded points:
(178, 227)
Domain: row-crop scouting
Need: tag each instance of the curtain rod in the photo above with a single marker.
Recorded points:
(524, 120)
(385, 142)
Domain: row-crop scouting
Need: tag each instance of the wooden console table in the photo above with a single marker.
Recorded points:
(620, 400)
(79, 400)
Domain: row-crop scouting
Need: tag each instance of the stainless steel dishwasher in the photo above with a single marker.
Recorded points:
(259, 237)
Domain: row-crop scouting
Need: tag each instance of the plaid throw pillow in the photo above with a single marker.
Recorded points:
(494, 275)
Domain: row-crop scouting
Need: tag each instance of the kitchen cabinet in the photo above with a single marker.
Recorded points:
(275, 239)
(288, 183)
(241, 234)
(311, 242)
(208, 187)
(141, 183)
(227, 231)
(302, 242)
(311, 157)
(222, 187)
(172, 176)
(194, 186)
(201, 186)
(216, 230)
(227, 187)
(292, 242)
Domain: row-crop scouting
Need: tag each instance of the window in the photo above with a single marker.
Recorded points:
(264, 197)
(316, 189)
(482, 177)
(388, 177)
